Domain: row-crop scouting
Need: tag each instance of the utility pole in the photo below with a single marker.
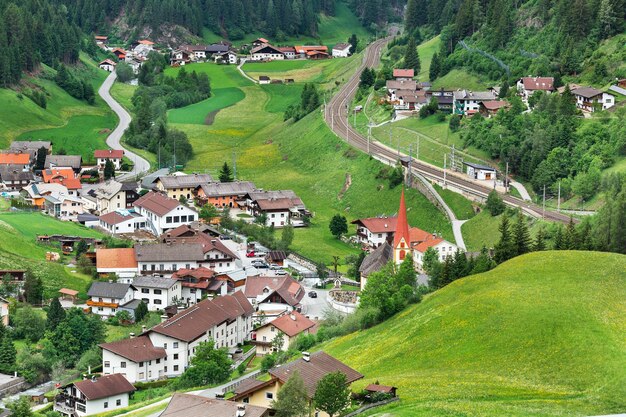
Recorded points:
(369, 135)
(558, 201)
(408, 174)
(453, 164)
(417, 151)
(506, 178)
(235, 165)
(444, 169)
(355, 118)
(544, 202)
(174, 153)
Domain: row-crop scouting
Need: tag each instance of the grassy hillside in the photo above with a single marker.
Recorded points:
(534, 337)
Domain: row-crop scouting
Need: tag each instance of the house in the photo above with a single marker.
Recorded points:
(188, 405)
(228, 57)
(196, 52)
(311, 367)
(199, 283)
(288, 326)
(311, 51)
(259, 42)
(163, 213)
(109, 196)
(288, 51)
(385, 389)
(526, 86)
(13, 178)
(280, 207)
(102, 156)
(180, 57)
(393, 86)
(147, 182)
(119, 53)
(167, 258)
(64, 161)
(34, 193)
(189, 230)
(264, 79)
(166, 349)
(107, 65)
(266, 52)
(101, 40)
(443, 248)
(157, 292)
(589, 99)
(181, 185)
(444, 99)
(4, 311)
(403, 74)
(215, 254)
(274, 295)
(63, 176)
(316, 55)
(277, 257)
(106, 297)
(216, 49)
(122, 221)
(62, 204)
(480, 172)
(341, 50)
(223, 194)
(374, 231)
(19, 161)
(411, 100)
(466, 103)
(491, 108)
(93, 396)
(119, 261)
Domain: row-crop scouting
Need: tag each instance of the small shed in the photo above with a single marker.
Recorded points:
(385, 389)
(264, 79)
(68, 294)
(480, 172)
(16, 274)
(277, 257)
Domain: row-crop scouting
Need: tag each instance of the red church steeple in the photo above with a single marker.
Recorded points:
(401, 239)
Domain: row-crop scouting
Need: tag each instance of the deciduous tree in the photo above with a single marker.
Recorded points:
(332, 393)
(292, 400)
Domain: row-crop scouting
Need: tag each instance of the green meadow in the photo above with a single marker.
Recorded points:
(533, 337)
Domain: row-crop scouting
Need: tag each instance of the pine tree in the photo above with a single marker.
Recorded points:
(109, 170)
(411, 57)
(8, 355)
(42, 153)
(540, 241)
(521, 236)
(435, 67)
(559, 242)
(56, 314)
(292, 400)
(354, 42)
(412, 16)
(504, 249)
(33, 288)
(570, 240)
(141, 312)
(226, 174)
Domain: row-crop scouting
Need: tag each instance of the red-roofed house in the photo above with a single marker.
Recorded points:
(119, 261)
(274, 295)
(289, 326)
(107, 65)
(21, 160)
(528, 85)
(63, 176)
(403, 74)
(122, 221)
(491, 108)
(112, 155)
(200, 282)
(303, 51)
(119, 53)
(94, 396)
(375, 231)
(163, 213)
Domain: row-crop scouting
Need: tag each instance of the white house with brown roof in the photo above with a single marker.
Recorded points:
(266, 52)
(119, 261)
(106, 297)
(163, 213)
(104, 155)
(109, 196)
(281, 207)
(157, 292)
(107, 65)
(181, 185)
(166, 349)
(188, 405)
(122, 221)
(93, 396)
(467, 103)
(198, 283)
(590, 99)
(402, 74)
(341, 50)
(527, 86)
(274, 295)
(288, 326)
(375, 231)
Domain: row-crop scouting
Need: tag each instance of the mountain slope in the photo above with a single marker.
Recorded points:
(541, 335)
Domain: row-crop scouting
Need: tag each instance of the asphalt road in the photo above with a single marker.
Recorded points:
(336, 116)
(141, 165)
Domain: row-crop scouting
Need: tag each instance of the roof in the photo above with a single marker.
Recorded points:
(147, 182)
(108, 289)
(495, 105)
(375, 260)
(15, 173)
(115, 217)
(315, 52)
(206, 242)
(538, 83)
(260, 48)
(586, 92)
(286, 49)
(187, 405)
(379, 388)
(50, 173)
(403, 73)
(72, 161)
(319, 365)
(184, 181)
(401, 85)
(121, 258)
(378, 224)
(218, 189)
(157, 203)
(108, 153)
(107, 62)
(304, 49)
(33, 145)
(153, 282)
(275, 200)
(194, 322)
(262, 287)
(145, 42)
(68, 291)
(474, 95)
(263, 78)
(262, 40)
(137, 349)
(105, 386)
(418, 235)
(402, 224)
(190, 230)
(423, 246)
(342, 46)
(14, 158)
(200, 273)
(277, 255)
(479, 166)
(292, 324)
(250, 385)
(167, 252)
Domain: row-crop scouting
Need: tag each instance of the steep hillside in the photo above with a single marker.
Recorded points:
(541, 335)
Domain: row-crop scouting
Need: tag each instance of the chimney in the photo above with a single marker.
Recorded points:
(292, 317)
(241, 410)
(163, 318)
(143, 328)
(306, 356)
(132, 335)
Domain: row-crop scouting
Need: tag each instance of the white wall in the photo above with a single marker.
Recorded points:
(145, 268)
(158, 298)
(98, 406)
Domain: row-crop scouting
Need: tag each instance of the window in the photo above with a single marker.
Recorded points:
(161, 267)
(81, 407)
(176, 219)
(157, 301)
(175, 356)
(265, 338)
(273, 215)
(122, 364)
(118, 402)
(175, 368)
(146, 300)
(158, 292)
(106, 404)
(269, 395)
(164, 345)
(175, 345)
(140, 364)
(174, 267)
(191, 217)
(165, 369)
(145, 291)
(100, 309)
(183, 218)
(107, 364)
(272, 329)
(188, 266)
(158, 361)
(168, 219)
(141, 375)
(144, 267)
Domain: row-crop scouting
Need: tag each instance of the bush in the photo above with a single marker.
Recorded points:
(495, 205)
(154, 384)
(268, 362)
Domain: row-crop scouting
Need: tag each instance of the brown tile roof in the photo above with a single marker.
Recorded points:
(401, 85)
(538, 83)
(169, 252)
(379, 388)
(105, 386)
(137, 349)
(157, 203)
(378, 224)
(292, 324)
(108, 153)
(494, 105)
(14, 158)
(586, 92)
(187, 405)
(342, 46)
(194, 322)
(404, 73)
(51, 173)
(375, 260)
(218, 189)
(306, 49)
(184, 181)
(198, 273)
(423, 246)
(277, 255)
(417, 235)
(250, 385)
(72, 161)
(319, 365)
(116, 258)
(114, 218)
(206, 242)
(287, 287)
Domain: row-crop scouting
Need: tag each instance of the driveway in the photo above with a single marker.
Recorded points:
(141, 166)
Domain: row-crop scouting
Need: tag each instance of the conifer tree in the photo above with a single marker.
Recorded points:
(291, 399)
(521, 236)
(435, 67)
(226, 174)
(109, 170)
(570, 240)
(540, 241)
(559, 241)
(411, 57)
(504, 249)
(56, 314)
(8, 354)
(412, 19)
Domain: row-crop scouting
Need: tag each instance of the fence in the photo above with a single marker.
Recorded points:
(231, 387)
(369, 406)
(244, 357)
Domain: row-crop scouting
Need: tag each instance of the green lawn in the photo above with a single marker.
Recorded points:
(461, 206)
(123, 332)
(533, 337)
(426, 51)
(197, 113)
(458, 78)
(220, 76)
(282, 96)
(123, 93)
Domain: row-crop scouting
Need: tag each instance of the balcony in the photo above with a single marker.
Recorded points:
(92, 303)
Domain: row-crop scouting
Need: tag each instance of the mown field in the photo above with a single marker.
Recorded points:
(533, 337)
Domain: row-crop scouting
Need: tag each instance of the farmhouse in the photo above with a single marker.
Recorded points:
(163, 213)
(21, 146)
(107, 65)
(491, 108)
(101, 40)
(589, 99)
(266, 52)
(274, 295)
(228, 57)
(63, 176)
(526, 86)
(166, 258)
(64, 161)
(122, 221)
(157, 292)
(166, 349)
(393, 86)
(34, 193)
(187, 405)
(119, 53)
(264, 79)
(62, 205)
(180, 57)
(480, 172)
(444, 99)
(259, 42)
(223, 194)
(115, 156)
(215, 254)
(19, 161)
(109, 196)
(13, 178)
(107, 297)
(289, 326)
(198, 283)
(312, 52)
(119, 261)
(93, 396)
(312, 367)
(410, 100)
(280, 207)
(375, 231)
(181, 185)
(341, 50)
(403, 74)
(466, 103)
(288, 51)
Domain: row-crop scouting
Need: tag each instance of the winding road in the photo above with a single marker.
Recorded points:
(141, 166)
(336, 116)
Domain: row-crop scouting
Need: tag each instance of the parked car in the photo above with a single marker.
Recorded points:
(260, 253)
(260, 264)
(313, 294)
(281, 272)
(275, 267)
(225, 237)
(251, 254)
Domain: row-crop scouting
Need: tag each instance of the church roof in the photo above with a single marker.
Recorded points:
(402, 225)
